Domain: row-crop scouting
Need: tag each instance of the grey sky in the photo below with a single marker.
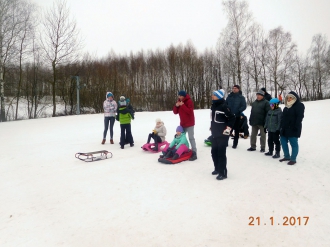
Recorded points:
(132, 25)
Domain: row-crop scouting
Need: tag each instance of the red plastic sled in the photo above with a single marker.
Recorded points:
(149, 146)
(169, 161)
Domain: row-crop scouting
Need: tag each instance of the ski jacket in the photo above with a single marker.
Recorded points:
(243, 122)
(179, 140)
(221, 117)
(291, 122)
(109, 107)
(267, 96)
(161, 131)
(273, 120)
(259, 112)
(124, 115)
(236, 103)
(186, 112)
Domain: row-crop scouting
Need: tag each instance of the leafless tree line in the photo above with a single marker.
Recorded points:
(38, 66)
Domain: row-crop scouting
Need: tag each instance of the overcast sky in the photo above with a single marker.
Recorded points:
(132, 25)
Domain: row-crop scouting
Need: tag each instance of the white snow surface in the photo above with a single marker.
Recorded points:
(50, 198)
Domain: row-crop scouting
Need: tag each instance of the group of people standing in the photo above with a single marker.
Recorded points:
(122, 112)
(226, 117)
(266, 115)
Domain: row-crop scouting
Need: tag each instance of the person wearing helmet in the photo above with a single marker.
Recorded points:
(273, 124)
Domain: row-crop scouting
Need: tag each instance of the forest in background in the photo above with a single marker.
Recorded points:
(41, 59)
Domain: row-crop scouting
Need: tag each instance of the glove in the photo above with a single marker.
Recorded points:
(155, 132)
(227, 131)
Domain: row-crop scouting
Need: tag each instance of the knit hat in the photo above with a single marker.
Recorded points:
(274, 101)
(122, 102)
(179, 129)
(260, 92)
(158, 120)
(219, 93)
(237, 86)
(242, 114)
(109, 95)
(263, 89)
(122, 98)
(182, 93)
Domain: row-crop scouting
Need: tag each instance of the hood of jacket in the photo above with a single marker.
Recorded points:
(107, 94)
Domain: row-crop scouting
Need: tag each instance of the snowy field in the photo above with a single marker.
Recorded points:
(50, 198)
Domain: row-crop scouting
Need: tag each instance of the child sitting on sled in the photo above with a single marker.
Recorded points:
(178, 146)
(158, 134)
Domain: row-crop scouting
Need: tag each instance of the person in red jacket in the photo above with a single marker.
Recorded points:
(185, 108)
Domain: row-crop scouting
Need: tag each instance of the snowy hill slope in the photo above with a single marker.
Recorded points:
(49, 198)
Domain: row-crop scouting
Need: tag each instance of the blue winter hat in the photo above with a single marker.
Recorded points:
(182, 93)
(219, 93)
(109, 95)
(179, 129)
(274, 101)
(242, 114)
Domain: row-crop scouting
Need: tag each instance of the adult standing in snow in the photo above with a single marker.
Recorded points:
(266, 95)
(259, 110)
(237, 104)
(110, 108)
(185, 108)
(291, 126)
(222, 121)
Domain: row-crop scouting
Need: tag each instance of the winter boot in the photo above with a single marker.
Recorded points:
(277, 155)
(215, 172)
(175, 156)
(284, 159)
(269, 153)
(103, 141)
(193, 156)
(111, 141)
(221, 177)
(169, 154)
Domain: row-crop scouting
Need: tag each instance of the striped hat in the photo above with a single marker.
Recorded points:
(219, 93)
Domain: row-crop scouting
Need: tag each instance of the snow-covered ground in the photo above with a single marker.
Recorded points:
(50, 198)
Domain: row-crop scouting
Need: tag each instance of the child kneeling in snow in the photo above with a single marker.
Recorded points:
(178, 146)
(158, 134)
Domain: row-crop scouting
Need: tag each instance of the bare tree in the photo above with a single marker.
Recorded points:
(318, 54)
(60, 40)
(10, 20)
(24, 41)
(239, 20)
(280, 56)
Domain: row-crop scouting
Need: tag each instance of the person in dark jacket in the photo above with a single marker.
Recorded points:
(291, 126)
(244, 128)
(272, 125)
(124, 117)
(237, 104)
(267, 95)
(222, 121)
(185, 108)
(259, 110)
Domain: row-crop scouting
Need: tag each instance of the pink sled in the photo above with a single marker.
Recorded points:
(161, 146)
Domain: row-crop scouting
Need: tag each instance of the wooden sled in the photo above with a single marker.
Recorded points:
(90, 157)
